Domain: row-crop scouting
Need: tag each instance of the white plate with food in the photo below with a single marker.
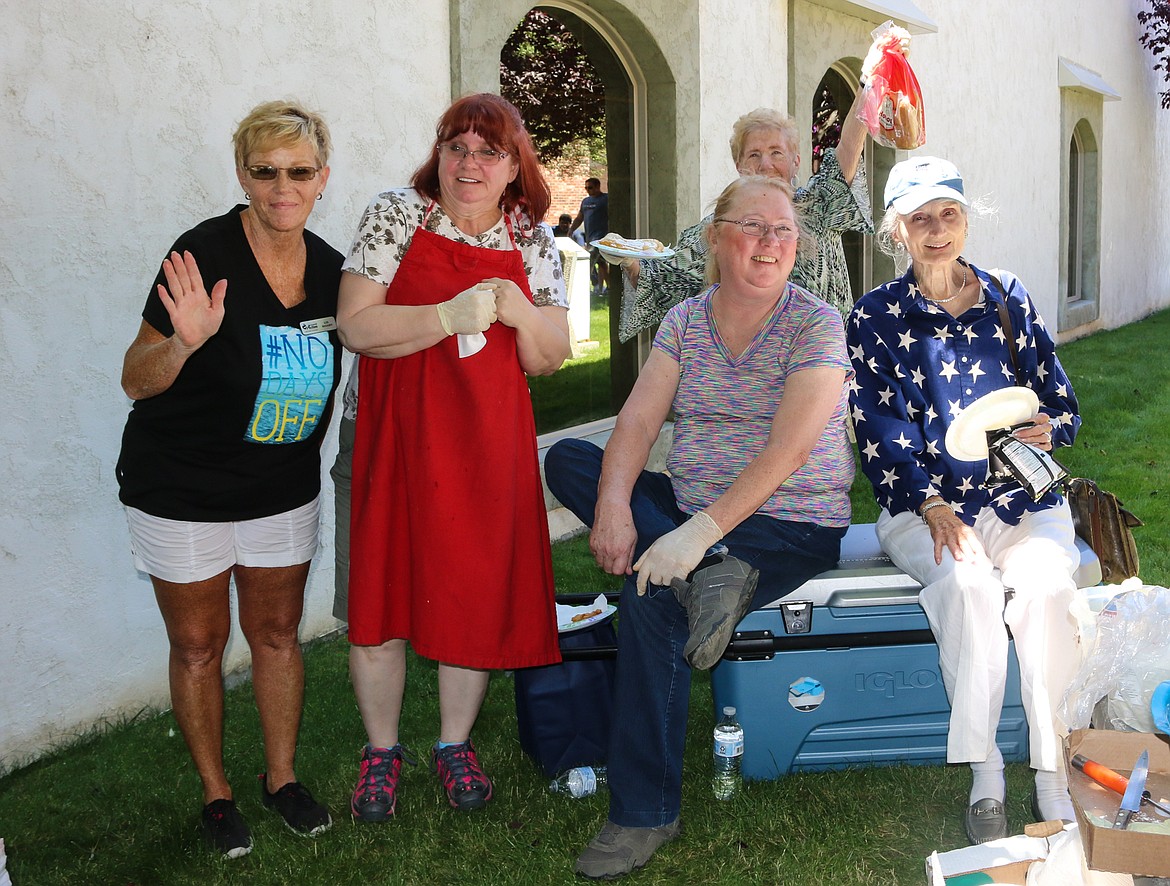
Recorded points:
(574, 618)
(617, 249)
(966, 438)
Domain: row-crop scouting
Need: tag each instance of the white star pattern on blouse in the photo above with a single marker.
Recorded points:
(934, 365)
(1021, 341)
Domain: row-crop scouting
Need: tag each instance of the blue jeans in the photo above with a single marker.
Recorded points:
(653, 687)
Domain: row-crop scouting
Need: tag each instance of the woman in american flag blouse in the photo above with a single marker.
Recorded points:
(924, 347)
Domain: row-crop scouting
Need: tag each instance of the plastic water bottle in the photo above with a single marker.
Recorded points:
(728, 755)
(579, 782)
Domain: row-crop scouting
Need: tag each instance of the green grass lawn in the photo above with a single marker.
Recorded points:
(579, 391)
(120, 807)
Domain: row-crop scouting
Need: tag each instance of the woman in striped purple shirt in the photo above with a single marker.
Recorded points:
(755, 503)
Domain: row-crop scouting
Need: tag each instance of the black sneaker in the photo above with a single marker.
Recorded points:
(225, 829)
(302, 814)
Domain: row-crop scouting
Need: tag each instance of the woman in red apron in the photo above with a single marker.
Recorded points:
(448, 535)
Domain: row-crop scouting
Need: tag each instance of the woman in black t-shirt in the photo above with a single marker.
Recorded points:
(233, 387)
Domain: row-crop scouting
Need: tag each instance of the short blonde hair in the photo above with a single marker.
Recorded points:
(723, 204)
(280, 124)
(762, 118)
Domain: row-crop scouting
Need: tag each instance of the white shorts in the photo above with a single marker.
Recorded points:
(182, 552)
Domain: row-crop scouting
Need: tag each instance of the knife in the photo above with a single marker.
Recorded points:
(1131, 800)
(1103, 775)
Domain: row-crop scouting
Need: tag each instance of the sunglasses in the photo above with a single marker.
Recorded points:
(295, 173)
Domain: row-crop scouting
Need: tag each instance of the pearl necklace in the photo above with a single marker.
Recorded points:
(943, 301)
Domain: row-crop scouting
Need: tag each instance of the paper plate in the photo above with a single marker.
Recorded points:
(614, 256)
(567, 625)
(966, 438)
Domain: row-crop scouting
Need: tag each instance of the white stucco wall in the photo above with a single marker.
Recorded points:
(993, 107)
(118, 118)
(117, 125)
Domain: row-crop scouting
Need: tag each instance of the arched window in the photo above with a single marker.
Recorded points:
(1082, 268)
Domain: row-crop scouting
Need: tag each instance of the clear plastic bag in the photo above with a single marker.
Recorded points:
(1125, 655)
(892, 108)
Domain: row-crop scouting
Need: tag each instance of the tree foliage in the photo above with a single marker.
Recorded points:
(1156, 38)
(546, 73)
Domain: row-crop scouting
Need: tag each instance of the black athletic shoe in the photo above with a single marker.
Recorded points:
(225, 829)
(302, 814)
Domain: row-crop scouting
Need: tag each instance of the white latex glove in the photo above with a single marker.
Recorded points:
(678, 552)
(471, 311)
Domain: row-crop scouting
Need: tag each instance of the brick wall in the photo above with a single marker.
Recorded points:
(567, 183)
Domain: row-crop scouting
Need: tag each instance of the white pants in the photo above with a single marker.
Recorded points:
(964, 603)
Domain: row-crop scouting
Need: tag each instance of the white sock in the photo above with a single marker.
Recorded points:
(1052, 795)
(987, 778)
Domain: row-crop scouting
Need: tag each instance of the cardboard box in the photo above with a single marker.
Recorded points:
(1005, 861)
(1129, 851)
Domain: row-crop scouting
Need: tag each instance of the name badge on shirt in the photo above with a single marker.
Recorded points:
(323, 324)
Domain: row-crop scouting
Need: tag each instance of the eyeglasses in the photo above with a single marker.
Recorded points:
(295, 173)
(487, 156)
(785, 233)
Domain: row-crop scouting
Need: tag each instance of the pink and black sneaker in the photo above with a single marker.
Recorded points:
(376, 792)
(458, 768)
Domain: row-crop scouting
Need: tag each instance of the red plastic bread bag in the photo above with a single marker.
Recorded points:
(892, 107)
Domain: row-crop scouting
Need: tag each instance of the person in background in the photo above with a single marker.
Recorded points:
(452, 294)
(835, 200)
(594, 214)
(925, 347)
(755, 503)
(221, 456)
(564, 228)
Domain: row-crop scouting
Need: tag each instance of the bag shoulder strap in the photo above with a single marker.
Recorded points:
(1005, 321)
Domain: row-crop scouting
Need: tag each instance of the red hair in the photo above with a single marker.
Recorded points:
(497, 122)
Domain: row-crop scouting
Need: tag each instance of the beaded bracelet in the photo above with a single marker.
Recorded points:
(934, 504)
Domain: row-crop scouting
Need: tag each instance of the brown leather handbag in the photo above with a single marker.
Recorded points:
(1103, 522)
